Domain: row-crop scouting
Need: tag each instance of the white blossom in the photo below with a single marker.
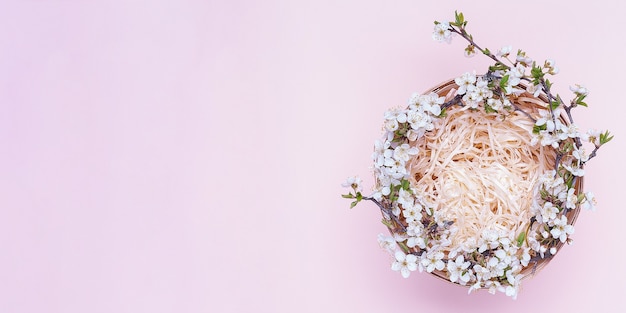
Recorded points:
(488, 240)
(391, 125)
(404, 152)
(549, 211)
(525, 257)
(546, 118)
(513, 275)
(387, 243)
(419, 120)
(579, 90)
(504, 51)
(458, 270)
(574, 169)
(432, 260)
(432, 103)
(465, 82)
(386, 190)
(413, 135)
(571, 199)
(442, 32)
(470, 51)
(396, 169)
(478, 95)
(523, 59)
(381, 151)
(515, 75)
(589, 202)
(495, 104)
(551, 67)
(395, 210)
(561, 230)
(413, 100)
(353, 182)
(412, 213)
(572, 131)
(580, 154)
(405, 198)
(505, 255)
(413, 242)
(593, 136)
(415, 229)
(545, 138)
(550, 180)
(511, 291)
(396, 114)
(405, 263)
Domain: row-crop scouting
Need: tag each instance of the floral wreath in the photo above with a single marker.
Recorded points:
(498, 258)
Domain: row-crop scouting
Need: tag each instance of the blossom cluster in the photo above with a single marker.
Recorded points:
(420, 235)
(391, 155)
(494, 262)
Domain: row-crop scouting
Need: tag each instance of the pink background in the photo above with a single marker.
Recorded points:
(186, 156)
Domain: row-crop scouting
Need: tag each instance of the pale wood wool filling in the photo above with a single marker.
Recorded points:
(479, 171)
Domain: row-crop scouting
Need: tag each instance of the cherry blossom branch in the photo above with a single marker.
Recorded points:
(461, 31)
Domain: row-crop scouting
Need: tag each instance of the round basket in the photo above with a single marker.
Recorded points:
(529, 104)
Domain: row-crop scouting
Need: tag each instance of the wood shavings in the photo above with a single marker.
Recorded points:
(480, 170)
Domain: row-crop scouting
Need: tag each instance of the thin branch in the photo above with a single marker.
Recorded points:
(453, 101)
(593, 154)
(557, 161)
(465, 35)
(517, 108)
(568, 109)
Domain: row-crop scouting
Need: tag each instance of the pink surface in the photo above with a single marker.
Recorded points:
(186, 156)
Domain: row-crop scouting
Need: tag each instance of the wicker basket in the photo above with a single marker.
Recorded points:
(530, 104)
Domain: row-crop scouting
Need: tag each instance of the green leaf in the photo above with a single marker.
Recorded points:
(354, 203)
(359, 196)
(504, 81)
(582, 103)
(536, 73)
(443, 113)
(537, 129)
(348, 196)
(520, 238)
(489, 109)
(554, 104)
(486, 51)
(405, 184)
(393, 196)
(404, 247)
(605, 137)
(458, 18)
(497, 67)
